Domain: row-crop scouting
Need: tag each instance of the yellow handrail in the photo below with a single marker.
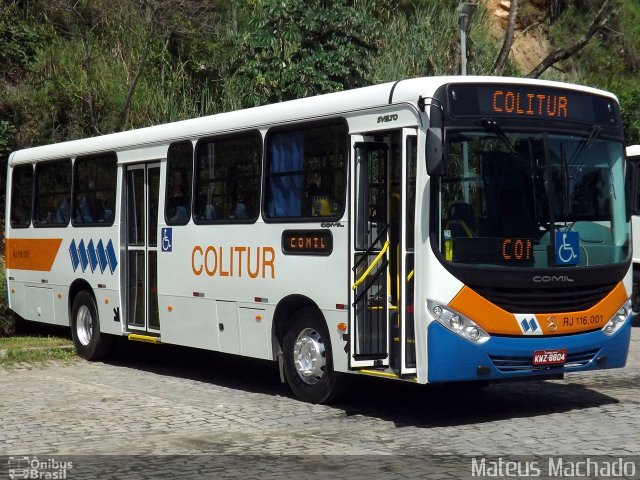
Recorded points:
(373, 264)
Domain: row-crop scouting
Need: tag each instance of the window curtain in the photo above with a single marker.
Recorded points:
(286, 174)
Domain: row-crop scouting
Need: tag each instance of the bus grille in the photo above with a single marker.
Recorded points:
(525, 364)
(544, 300)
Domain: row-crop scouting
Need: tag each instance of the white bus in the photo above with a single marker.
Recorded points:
(446, 229)
(633, 159)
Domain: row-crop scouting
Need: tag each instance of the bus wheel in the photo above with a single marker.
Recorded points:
(635, 299)
(308, 364)
(85, 329)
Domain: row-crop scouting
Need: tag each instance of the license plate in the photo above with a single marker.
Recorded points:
(550, 357)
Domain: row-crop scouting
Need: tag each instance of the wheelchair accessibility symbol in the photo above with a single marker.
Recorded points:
(567, 248)
(167, 239)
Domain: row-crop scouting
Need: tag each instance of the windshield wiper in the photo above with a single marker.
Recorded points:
(583, 147)
(492, 126)
(566, 182)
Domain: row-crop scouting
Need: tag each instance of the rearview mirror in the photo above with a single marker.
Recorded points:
(436, 166)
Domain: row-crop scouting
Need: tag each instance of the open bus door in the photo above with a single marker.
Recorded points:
(381, 296)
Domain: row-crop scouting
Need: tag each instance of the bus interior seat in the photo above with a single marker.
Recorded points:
(210, 212)
(180, 214)
(461, 222)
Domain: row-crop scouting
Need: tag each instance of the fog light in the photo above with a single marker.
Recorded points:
(457, 323)
(618, 319)
(473, 333)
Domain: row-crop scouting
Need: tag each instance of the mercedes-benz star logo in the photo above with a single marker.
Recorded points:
(551, 324)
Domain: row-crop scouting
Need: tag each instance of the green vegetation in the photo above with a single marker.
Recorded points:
(297, 48)
(34, 356)
(33, 342)
(71, 69)
(34, 350)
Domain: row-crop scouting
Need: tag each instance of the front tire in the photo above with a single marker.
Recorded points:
(635, 299)
(85, 329)
(308, 360)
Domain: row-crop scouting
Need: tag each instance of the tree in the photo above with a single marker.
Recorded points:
(300, 48)
(630, 110)
(508, 38)
(560, 54)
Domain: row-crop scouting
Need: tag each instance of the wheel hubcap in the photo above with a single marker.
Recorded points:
(309, 356)
(635, 299)
(84, 325)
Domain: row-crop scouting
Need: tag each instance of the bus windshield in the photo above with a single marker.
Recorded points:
(542, 200)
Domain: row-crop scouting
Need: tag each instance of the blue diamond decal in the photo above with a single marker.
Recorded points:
(111, 257)
(82, 251)
(93, 258)
(73, 251)
(102, 256)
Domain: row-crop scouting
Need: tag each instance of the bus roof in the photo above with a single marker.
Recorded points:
(633, 151)
(317, 107)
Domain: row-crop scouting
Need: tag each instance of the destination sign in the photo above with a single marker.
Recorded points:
(307, 242)
(530, 102)
(513, 251)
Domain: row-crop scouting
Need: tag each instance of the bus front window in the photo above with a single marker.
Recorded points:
(532, 200)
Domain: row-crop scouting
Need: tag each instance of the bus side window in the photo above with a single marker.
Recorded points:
(177, 209)
(94, 185)
(21, 196)
(306, 172)
(227, 186)
(52, 193)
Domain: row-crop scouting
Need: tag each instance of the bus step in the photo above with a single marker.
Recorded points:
(387, 374)
(135, 337)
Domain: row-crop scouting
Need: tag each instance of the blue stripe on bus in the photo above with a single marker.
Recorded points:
(452, 358)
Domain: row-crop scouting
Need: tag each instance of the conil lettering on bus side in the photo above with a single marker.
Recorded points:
(530, 104)
(236, 261)
(310, 243)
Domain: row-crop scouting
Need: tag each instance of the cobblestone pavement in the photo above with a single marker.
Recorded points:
(161, 400)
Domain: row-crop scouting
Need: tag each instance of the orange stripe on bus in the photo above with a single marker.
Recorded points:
(495, 320)
(489, 316)
(32, 253)
(594, 318)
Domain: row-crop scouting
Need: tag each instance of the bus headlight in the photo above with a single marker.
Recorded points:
(457, 323)
(618, 319)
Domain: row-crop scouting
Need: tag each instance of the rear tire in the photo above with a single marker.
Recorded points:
(308, 359)
(85, 329)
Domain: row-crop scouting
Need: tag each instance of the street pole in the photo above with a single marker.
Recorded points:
(465, 10)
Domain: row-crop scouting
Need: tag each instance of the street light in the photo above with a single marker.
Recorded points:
(465, 10)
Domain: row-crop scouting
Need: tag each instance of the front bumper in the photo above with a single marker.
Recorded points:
(452, 358)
